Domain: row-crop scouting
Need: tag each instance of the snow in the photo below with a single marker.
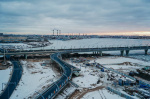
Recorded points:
(86, 73)
(4, 76)
(33, 79)
(68, 91)
(101, 94)
(86, 79)
(117, 60)
(141, 57)
(125, 64)
(96, 42)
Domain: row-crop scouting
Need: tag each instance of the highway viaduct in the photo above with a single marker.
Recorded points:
(97, 50)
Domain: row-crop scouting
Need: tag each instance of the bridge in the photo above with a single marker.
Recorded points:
(54, 89)
(97, 50)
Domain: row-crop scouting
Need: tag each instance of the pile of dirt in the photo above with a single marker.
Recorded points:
(3, 67)
(78, 94)
(126, 63)
(30, 66)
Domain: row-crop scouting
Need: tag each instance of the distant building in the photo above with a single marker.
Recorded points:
(12, 39)
(1, 34)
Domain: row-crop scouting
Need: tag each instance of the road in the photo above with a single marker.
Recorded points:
(15, 78)
(60, 83)
(77, 50)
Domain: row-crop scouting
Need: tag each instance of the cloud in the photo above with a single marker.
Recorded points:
(84, 16)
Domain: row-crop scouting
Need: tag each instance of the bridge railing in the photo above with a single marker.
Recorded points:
(60, 83)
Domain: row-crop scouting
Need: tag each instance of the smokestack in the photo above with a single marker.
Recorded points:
(53, 32)
(57, 32)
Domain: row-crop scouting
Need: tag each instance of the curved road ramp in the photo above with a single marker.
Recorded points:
(14, 80)
(56, 87)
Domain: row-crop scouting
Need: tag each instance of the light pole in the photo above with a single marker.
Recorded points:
(4, 57)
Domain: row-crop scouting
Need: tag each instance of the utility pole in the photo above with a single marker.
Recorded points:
(4, 57)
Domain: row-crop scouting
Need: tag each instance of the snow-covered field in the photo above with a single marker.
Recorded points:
(35, 79)
(96, 42)
(86, 72)
(66, 92)
(4, 77)
(121, 61)
(141, 57)
(101, 94)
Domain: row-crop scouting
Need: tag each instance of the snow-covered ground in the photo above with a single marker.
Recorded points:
(67, 91)
(96, 42)
(4, 77)
(125, 64)
(90, 74)
(101, 94)
(141, 57)
(35, 79)
(86, 72)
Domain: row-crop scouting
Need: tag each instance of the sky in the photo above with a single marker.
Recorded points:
(75, 16)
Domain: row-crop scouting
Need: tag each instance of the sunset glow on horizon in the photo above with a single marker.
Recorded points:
(142, 33)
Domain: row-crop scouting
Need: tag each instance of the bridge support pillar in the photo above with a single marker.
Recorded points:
(100, 53)
(97, 53)
(122, 52)
(26, 57)
(127, 52)
(94, 53)
(146, 51)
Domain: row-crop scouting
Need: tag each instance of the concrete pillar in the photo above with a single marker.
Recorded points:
(26, 57)
(93, 53)
(122, 52)
(97, 53)
(100, 53)
(127, 52)
(146, 51)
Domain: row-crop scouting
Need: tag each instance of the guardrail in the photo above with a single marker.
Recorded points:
(119, 93)
(79, 50)
(140, 81)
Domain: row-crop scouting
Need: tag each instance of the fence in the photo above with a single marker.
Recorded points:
(118, 72)
(140, 81)
(119, 93)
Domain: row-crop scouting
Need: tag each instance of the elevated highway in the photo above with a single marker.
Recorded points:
(53, 90)
(96, 50)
